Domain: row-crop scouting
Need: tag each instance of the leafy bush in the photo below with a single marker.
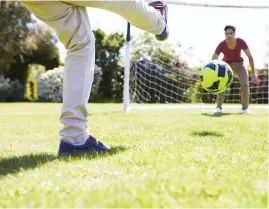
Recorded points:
(10, 90)
(50, 85)
(31, 92)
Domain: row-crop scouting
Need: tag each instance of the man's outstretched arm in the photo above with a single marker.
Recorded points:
(217, 52)
(251, 63)
(251, 60)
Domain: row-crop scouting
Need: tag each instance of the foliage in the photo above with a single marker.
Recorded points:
(23, 40)
(107, 57)
(10, 90)
(13, 33)
(146, 46)
(50, 85)
(143, 47)
(46, 52)
(31, 90)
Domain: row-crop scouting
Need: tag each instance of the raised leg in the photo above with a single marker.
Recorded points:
(137, 12)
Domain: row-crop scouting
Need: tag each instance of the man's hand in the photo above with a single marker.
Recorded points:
(255, 79)
(215, 56)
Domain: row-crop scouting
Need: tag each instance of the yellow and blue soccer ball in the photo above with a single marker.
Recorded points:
(216, 76)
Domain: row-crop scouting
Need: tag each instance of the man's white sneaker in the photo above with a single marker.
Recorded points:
(247, 111)
(218, 111)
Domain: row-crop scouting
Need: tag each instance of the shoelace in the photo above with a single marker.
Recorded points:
(159, 7)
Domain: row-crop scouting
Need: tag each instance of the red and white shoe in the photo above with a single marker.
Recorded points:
(162, 7)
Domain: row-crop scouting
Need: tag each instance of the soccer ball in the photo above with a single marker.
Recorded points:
(216, 76)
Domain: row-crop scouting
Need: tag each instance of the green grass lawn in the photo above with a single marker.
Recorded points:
(171, 158)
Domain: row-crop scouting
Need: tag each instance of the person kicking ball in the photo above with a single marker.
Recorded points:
(71, 22)
(231, 47)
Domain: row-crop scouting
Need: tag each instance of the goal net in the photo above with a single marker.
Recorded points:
(166, 75)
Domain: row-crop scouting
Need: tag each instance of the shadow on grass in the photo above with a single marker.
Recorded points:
(206, 133)
(13, 165)
(219, 115)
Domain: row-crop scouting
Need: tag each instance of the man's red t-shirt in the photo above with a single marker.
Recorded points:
(232, 55)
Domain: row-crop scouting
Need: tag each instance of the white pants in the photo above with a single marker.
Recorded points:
(71, 22)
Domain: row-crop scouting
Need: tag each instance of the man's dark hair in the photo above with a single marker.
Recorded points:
(233, 28)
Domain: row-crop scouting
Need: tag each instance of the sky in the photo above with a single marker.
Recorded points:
(201, 28)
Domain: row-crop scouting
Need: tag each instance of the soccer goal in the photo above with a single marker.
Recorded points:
(152, 81)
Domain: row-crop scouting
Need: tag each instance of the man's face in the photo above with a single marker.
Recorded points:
(229, 34)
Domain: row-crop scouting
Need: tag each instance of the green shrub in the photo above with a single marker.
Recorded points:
(10, 90)
(50, 85)
(31, 91)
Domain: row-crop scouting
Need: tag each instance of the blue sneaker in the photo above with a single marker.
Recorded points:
(91, 145)
(162, 7)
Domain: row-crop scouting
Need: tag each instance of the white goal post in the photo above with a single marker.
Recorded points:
(141, 94)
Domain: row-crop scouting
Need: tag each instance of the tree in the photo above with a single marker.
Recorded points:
(146, 46)
(108, 57)
(13, 32)
(143, 47)
(23, 41)
(46, 52)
